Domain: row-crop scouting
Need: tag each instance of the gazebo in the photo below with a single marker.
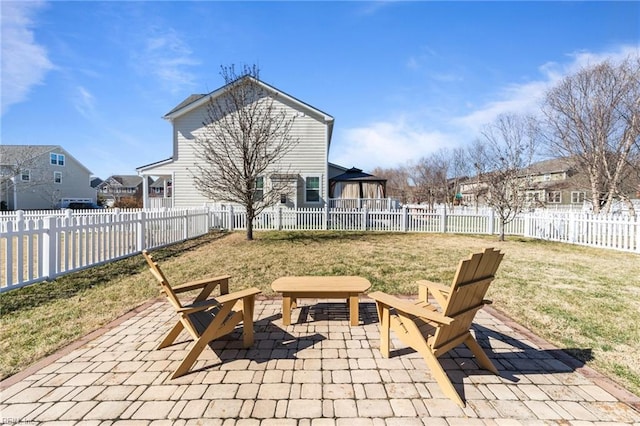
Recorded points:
(354, 188)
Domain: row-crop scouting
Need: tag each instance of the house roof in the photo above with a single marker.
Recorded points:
(553, 165)
(160, 182)
(124, 180)
(197, 100)
(142, 169)
(12, 154)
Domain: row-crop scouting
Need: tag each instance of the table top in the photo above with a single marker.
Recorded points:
(320, 284)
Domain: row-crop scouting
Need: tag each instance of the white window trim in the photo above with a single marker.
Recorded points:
(55, 180)
(551, 200)
(306, 178)
(54, 159)
(576, 195)
(26, 173)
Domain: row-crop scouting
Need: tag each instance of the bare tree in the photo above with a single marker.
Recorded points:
(502, 156)
(397, 182)
(246, 134)
(593, 118)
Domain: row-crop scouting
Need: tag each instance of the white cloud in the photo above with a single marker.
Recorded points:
(84, 102)
(24, 62)
(397, 141)
(387, 144)
(167, 57)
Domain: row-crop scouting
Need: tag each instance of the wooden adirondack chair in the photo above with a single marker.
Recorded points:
(432, 332)
(206, 318)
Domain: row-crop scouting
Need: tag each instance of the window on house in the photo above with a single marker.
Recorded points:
(312, 189)
(554, 197)
(57, 159)
(577, 197)
(258, 192)
(57, 177)
(25, 176)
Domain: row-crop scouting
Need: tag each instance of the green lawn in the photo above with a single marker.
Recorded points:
(583, 299)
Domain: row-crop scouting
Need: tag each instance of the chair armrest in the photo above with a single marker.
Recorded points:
(231, 297)
(439, 291)
(193, 285)
(430, 285)
(409, 308)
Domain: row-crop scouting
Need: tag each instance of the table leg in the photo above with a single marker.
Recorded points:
(353, 310)
(286, 310)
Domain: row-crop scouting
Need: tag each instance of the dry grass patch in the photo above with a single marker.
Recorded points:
(582, 299)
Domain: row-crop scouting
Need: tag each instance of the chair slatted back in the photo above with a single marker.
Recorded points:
(469, 287)
(165, 287)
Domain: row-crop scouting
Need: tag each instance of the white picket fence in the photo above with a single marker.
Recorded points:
(34, 248)
(38, 246)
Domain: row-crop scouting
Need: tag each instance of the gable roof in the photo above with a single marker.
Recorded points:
(12, 154)
(198, 100)
(129, 181)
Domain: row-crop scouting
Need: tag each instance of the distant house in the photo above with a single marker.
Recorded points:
(116, 187)
(308, 168)
(35, 177)
(547, 183)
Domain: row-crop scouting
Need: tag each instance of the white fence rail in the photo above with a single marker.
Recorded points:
(38, 246)
(34, 249)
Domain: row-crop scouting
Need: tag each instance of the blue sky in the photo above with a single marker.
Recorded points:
(401, 79)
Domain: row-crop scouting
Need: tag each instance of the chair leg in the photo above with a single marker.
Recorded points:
(480, 354)
(248, 304)
(440, 375)
(171, 336)
(385, 331)
(215, 329)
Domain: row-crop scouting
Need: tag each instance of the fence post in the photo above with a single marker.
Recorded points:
(636, 225)
(443, 221)
(49, 252)
(141, 240)
(527, 224)
(365, 219)
(325, 225)
(572, 228)
(279, 221)
(230, 219)
(185, 227)
(405, 219)
(492, 222)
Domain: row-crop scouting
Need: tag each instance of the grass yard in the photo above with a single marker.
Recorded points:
(582, 299)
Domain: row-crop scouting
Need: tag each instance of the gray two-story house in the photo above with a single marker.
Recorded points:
(36, 177)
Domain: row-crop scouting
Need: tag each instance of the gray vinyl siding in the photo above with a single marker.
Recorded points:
(309, 157)
(42, 193)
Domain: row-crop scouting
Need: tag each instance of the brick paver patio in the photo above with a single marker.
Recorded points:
(318, 371)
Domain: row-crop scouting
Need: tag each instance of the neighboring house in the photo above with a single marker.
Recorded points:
(546, 183)
(308, 169)
(36, 177)
(117, 187)
(161, 187)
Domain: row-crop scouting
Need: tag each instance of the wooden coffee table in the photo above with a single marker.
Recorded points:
(331, 287)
